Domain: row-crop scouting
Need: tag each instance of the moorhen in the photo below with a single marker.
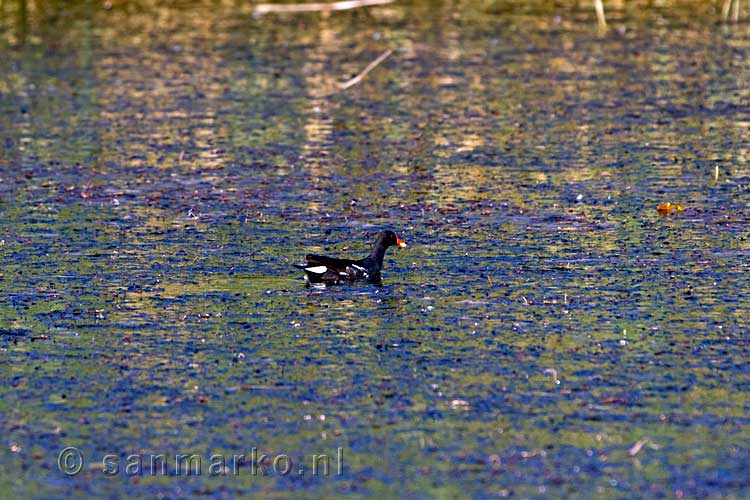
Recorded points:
(332, 271)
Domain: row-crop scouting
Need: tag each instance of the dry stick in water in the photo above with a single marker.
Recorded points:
(599, 8)
(266, 8)
(364, 72)
(725, 10)
(636, 448)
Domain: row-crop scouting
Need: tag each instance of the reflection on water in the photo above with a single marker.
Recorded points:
(163, 165)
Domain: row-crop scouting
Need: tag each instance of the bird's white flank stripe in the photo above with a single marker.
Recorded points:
(355, 266)
(317, 269)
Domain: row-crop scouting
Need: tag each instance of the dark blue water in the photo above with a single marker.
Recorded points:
(546, 332)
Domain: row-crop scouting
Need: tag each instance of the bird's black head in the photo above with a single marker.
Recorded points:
(390, 239)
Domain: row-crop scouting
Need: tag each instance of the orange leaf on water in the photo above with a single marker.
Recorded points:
(669, 208)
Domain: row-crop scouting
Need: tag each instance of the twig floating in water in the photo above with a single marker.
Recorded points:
(364, 72)
(636, 448)
(268, 8)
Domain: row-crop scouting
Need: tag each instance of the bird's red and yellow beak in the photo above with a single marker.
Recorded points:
(401, 243)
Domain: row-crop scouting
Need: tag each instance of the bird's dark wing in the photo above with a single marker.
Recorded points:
(330, 262)
(322, 269)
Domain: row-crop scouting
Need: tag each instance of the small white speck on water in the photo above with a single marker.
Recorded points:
(553, 372)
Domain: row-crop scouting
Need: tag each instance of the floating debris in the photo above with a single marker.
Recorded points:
(460, 404)
(669, 208)
(636, 448)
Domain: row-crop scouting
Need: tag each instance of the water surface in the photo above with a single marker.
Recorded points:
(162, 166)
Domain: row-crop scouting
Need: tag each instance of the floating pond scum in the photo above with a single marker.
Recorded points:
(569, 319)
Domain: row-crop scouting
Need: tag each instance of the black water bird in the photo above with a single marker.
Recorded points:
(333, 271)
